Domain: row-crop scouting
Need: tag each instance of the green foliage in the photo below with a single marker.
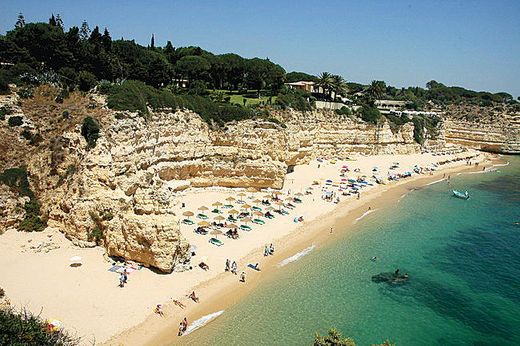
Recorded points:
(295, 99)
(5, 110)
(15, 121)
(343, 111)
(17, 179)
(4, 83)
(292, 77)
(104, 87)
(66, 114)
(333, 338)
(62, 95)
(370, 114)
(86, 81)
(136, 96)
(90, 130)
(24, 328)
(26, 93)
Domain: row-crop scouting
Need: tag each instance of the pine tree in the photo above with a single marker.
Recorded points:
(52, 20)
(20, 23)
(59, 22)
(152, 43)
(84, 31)
(106, 40)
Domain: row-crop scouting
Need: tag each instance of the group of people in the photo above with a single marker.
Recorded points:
(231, 266)
(269, 250)
(183, 326)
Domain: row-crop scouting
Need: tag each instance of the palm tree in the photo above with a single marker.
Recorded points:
(325, 81)
(377, 89)
(339, 85)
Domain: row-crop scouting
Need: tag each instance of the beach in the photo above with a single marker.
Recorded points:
(89, 302)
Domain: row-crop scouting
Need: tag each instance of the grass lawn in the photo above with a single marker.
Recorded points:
(239, 99)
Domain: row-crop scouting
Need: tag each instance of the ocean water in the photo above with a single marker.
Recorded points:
(463, 258)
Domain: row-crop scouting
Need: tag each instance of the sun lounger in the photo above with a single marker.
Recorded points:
(245, 228)
(200, 230)
(187, 222)
(216, 211)
(257, 209)
(231, 219)
(216, 242)
(258, 221)
(227, 206)
(202, 216)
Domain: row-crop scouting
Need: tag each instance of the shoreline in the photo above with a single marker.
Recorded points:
(223, 290)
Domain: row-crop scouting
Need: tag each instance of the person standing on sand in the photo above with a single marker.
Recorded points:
(234, 267)
(227, 265)
(243, 277)
(121, 280)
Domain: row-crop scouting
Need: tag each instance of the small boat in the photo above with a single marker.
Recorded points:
(460, 194)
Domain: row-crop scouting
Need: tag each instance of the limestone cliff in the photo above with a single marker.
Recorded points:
(121, 193)
(495, 129)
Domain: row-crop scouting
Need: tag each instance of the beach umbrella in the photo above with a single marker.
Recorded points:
(246, 220)
(298, 194)
(232, 225)
(203, 208)
(217, 204)
(203, 224)
(216, 232)
(230, 199)
(219, 218)
(246, 206)
(256, 201)
(288, 198)
(258, 213)
(269, 208)
(188, 214)
(233, 211)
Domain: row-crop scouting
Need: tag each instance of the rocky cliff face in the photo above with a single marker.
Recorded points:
(121, 193)
(485, 128)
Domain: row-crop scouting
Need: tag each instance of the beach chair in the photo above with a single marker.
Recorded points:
(187, 222)
(245, 228)
(216, 242)
(202, 216)
(258, 221)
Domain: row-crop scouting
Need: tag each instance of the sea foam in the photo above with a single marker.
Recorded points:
(297, 256)
(201, 322)
(364, 214)
(435, 182)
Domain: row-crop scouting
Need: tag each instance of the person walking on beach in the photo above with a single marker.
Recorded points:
(121, 280)
(234, 267)
(266, 251)
(227, 265)
(271, 249)
(243, 277)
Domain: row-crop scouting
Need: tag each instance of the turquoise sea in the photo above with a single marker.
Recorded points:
(463, 258)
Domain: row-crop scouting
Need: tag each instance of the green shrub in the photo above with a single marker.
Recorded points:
(137, 96)
(104, 87)
(15, 121)
(66, 114)
(370, 115)
(4, 83)
(17, 179)
(343, 111)
(24, 328)
(5, 110)
(86, 81)
(63, 94)
(26, 93)
(90, 130)
(295, 99)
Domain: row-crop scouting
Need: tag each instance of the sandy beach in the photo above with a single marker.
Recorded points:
(36, 271)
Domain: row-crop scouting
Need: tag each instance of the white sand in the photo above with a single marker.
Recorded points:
(87, 298)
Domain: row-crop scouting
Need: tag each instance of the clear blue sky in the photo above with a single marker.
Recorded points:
(471, 43)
